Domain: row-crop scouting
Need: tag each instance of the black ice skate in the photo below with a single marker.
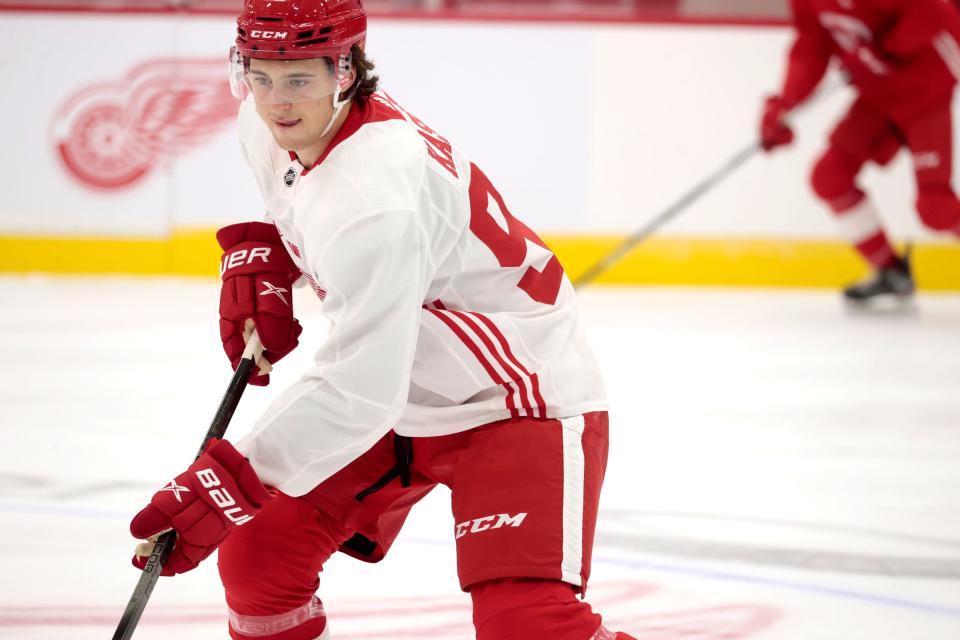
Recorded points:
(892, 284)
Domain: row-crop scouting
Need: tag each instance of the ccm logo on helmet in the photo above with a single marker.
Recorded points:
(222, 497)
(268, 35)
(487, 522)
(242, 257)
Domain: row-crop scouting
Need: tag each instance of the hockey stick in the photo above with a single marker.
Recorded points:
(733, 163)
(164, 544)
(641, 234)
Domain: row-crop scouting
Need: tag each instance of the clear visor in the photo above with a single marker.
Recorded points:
(285, 81)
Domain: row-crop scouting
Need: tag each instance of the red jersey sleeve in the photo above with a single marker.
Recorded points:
(809, 55)
(917, 23)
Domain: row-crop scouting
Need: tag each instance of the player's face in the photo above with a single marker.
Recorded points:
(294, 99)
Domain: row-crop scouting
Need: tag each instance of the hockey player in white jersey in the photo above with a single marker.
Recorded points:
(455, 356)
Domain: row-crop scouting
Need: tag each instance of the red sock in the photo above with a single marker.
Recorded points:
(878, 251)
(860, 226)
(530, 609)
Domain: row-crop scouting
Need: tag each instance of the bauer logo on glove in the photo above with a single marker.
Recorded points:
(244, 257)
(216, 493)
(221, 497)
(258, 276)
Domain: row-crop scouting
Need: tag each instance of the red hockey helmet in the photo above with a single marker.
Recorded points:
(291, 29)
(295, 30)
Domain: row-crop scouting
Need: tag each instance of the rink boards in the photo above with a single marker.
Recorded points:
(668, 260)
(126, 163)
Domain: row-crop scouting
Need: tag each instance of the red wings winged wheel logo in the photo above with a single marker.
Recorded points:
(111, 135)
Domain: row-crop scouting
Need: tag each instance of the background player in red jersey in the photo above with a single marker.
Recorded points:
(903, 58)
(455, 356)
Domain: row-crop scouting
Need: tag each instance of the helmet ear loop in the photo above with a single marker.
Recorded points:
(344, 82)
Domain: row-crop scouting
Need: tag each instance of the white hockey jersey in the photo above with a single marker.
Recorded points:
(445, 311)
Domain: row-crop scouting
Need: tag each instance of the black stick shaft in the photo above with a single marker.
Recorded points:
(719, 174)
(687, 199)
(161, 550)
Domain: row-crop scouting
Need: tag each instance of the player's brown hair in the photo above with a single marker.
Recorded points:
(366, 82)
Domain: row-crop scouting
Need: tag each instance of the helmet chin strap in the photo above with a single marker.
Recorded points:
(337, 108)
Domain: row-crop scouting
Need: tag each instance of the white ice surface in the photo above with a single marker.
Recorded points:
(780, 468)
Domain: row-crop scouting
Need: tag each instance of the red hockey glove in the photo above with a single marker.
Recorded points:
(774, 132)
(258, 277)
(216, 493)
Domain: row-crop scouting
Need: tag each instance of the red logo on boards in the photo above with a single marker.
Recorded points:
(111, 135)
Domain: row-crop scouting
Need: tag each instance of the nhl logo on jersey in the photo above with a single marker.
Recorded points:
(289, 177)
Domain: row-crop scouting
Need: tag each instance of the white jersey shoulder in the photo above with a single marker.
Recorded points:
(447, 312)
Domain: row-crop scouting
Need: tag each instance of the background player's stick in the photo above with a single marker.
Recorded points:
(716, 177)
(641, 234)
(164, 544)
